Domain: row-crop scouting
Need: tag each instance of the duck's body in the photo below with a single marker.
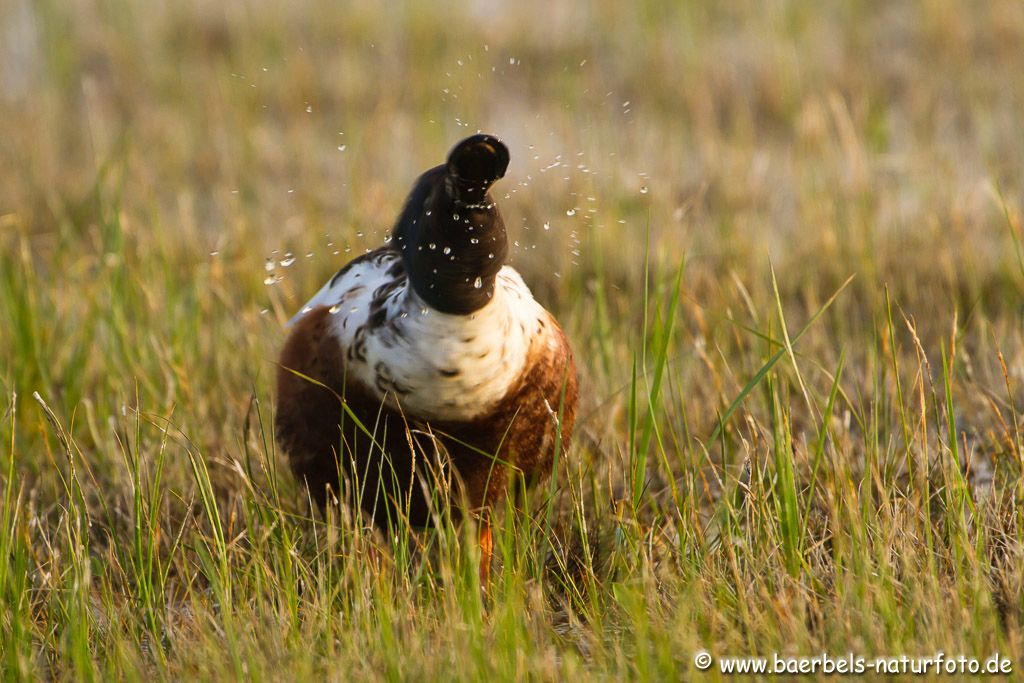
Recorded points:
(451, 373)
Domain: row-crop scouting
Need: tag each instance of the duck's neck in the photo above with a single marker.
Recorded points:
(452, 259)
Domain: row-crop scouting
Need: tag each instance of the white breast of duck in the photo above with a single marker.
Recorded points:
(432, 365)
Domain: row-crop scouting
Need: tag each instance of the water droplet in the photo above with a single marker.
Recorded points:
(547, 226)
(270, 280)
(643, 189)
(478, 283)
(214, 253)
(288, 260)
(570, 212)
(333, 309)
(428, 212)
(341, 148)
(473, 240)
(432, 246)
(490, 255)
(269, 265)
(447, 250)
(424, 311)
(309, 109)
(455, 216)
(387, 240)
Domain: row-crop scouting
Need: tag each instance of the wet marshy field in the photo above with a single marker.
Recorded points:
(784, 240)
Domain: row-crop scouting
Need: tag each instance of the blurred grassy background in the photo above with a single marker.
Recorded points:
(177, 177)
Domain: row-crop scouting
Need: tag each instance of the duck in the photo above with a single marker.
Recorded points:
(423, 378)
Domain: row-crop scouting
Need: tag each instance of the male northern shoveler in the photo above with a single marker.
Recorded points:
(427, 363)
